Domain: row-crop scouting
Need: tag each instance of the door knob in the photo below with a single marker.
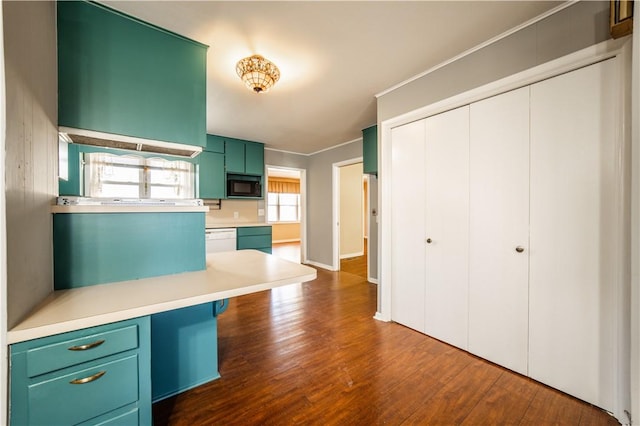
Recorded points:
(428, 240)
(519, 249)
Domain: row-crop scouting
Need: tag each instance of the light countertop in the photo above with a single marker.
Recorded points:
(129, 209)
(216, 225)
(228, 274)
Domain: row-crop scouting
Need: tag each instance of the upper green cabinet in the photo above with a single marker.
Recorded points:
(215, 144)
(370, 150)
(244, 157)
(119, 75)
(211, 175)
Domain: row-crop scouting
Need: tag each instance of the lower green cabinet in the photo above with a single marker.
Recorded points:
(98, 375)
(184, 347)
(254, 237)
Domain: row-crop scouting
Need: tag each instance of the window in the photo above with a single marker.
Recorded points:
(283, 207)
(127, 176)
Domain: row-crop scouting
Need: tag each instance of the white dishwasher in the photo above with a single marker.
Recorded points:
(220, 239)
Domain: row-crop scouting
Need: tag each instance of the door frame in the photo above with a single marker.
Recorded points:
(335, 195)
(303, 205)
(620, 49)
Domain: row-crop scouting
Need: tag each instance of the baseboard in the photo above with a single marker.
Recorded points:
(350, 255)
(378, 316)
(372, 280)
(293, 240)
(319, 265)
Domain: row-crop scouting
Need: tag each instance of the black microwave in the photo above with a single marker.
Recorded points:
(244, 188)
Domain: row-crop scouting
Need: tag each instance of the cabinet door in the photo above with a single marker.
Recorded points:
(184, 349)
(407, 224)
(254, 158)
(215, 144)
(211, 175)
(499, 222)
(120, 75)
(575, 231)
(370, 150)
(234, 156)
(447, 225)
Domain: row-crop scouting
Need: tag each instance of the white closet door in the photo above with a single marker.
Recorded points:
(573, 232)
(447, 226)
(499, 229)
(407, 224)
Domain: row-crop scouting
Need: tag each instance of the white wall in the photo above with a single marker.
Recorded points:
(351, 237)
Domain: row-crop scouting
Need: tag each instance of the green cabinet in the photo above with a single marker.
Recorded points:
(98, 248)
(211, 175)
(215, 144)
(97, 375)
(254, 237)
(184, 348)
(244, 157)
(119, 75)
(370, 150)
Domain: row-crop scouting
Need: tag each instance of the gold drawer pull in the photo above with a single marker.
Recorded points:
(88, 379)
(87, 346)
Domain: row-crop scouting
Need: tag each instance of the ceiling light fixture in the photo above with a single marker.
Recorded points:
(258, 73)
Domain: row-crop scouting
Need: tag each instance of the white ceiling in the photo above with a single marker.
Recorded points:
(334, 57)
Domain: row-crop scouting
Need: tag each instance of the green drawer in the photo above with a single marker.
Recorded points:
(265, 250)
(68, 352)
(254, 242)
(128, 416)
(116, 388)
(254, 230)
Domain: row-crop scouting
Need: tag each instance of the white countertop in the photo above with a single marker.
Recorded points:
(129, 209)
(228, 274)
(216, 225)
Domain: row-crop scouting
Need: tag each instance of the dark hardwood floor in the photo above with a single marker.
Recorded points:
(312, 354)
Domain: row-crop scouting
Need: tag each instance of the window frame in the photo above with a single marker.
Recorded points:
(278, 205)
(144, 166)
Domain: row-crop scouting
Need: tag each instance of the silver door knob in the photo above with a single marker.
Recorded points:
(428, 240)
(519, 249)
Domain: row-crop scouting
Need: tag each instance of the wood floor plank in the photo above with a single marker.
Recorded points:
(312, 354)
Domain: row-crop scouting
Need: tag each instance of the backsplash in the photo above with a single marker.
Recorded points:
(247, 211)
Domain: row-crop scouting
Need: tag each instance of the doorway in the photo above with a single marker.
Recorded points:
(348, 211)
(285, 205)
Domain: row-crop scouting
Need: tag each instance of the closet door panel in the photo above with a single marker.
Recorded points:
(573, 232)
(407, 224)
(447, 226)
(499, 224)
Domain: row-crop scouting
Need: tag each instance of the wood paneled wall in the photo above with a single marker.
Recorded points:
(31, 151)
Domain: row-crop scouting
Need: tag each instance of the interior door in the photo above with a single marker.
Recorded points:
(407, 224)
(447, 226)
(499, 229)
(575, 177)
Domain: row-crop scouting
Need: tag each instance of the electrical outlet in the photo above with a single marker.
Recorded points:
(260, 212)
(236, 215)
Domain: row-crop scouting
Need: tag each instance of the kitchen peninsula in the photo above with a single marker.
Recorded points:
(112, 321)
(228, 274)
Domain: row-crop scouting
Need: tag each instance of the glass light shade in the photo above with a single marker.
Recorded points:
(258, 73)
